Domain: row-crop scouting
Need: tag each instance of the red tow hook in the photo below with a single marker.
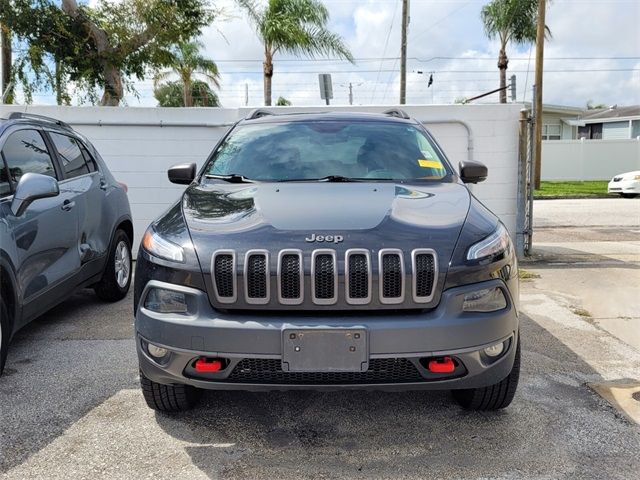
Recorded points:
(442, 365)
(206, 365)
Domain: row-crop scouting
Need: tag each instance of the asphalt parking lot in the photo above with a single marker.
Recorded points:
(70, 406)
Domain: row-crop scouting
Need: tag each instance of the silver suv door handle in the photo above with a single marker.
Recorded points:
(103, 184)
(68, 205)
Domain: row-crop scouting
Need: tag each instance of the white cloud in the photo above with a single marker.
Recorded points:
(585, 28)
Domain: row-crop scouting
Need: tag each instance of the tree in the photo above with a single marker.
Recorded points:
(171, 94)
(5, 58)
(510, 21)
(283, 102)
(101, 47)
(188, 64)
(595, 106)
(298, 27)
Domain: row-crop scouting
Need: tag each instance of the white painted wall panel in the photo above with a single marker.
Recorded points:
(589, 159)
(138, 150)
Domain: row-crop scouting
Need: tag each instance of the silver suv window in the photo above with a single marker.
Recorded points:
(69, 151)
(24, 152)
(310, 150)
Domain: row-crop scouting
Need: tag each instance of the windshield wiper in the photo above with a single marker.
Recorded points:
(231, 178)
(328, 178)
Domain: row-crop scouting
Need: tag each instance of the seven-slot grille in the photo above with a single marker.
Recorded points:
(324, 267)
(256, 276)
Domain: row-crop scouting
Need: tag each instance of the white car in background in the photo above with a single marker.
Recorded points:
(627, 185)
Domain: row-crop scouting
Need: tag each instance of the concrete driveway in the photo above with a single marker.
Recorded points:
(70, 407)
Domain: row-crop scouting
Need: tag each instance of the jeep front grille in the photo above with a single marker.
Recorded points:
(257, 277)
(358, 277)
(392, 276)
(224, 277)
(425, 273)
(330, 281)
(290, 277)
(324, 277)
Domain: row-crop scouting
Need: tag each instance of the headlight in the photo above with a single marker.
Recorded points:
(496, 243)
(159, 247)
(166, 301)
(485, 300)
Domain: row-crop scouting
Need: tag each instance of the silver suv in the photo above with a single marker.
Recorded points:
(65, 222)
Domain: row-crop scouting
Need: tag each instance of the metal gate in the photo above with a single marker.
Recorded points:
(526, 181)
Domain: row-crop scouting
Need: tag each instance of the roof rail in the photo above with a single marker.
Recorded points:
(42, 118)
(396, 112)
(258, 113)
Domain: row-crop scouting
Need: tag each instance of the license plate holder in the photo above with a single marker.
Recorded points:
(325, 350)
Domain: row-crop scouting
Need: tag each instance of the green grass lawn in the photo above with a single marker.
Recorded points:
(596, 188)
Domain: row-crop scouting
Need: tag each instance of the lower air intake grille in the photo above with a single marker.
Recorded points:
(425, 273)
(257, 276)
(358, 276)
(269, 371)
(290, 277)
(224, 275)
(391, 275)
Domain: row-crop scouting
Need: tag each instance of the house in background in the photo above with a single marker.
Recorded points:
(561, 122)
(613, 123)
(557, 121)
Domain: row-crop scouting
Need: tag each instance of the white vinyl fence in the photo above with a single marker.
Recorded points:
(139, 144)
(588, 159)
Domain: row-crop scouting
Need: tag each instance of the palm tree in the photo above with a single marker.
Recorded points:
(510, 21)
(171, 94)
(189, 65)
(293, 26)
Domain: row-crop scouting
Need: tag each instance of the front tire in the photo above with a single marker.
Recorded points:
(168, 398)
(4, 334)
(628, 195)
(493, 397)
(116, 278)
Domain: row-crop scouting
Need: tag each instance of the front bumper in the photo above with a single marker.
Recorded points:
(414, 337)
(624, 186)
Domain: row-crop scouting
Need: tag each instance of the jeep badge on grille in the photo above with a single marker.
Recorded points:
(325, 238)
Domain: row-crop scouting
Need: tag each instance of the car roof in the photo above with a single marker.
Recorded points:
(21, 118)
(263, 116)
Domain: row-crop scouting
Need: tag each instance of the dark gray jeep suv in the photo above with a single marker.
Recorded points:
(327, 251)
(65, 222)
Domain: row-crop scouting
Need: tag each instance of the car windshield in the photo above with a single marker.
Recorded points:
(327, 150)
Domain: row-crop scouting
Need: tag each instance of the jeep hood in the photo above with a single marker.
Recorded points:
(276, 216)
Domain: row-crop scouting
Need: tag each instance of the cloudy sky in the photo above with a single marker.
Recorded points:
(594, 54)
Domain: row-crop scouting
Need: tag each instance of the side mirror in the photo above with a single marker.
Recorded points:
(31, 187)
(473, 172)
(182, 174)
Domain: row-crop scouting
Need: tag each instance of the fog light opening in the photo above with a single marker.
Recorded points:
(494, 350)
(156, 351)
(209, 365)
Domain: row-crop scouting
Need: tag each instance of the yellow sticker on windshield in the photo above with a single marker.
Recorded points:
(437, 164)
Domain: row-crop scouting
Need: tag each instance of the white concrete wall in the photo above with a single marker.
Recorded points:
(588, 159)
(139, 144)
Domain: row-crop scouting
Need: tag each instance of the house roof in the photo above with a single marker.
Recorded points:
(566, 109)
(611, 113)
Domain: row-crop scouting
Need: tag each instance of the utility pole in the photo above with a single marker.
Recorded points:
(403, 52)
(246, 94)
(350, 93)
(537, 135)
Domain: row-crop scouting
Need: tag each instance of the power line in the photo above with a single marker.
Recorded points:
(386, 43)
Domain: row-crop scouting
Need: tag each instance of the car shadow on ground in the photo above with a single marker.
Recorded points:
(59, 368)
(556, 426)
